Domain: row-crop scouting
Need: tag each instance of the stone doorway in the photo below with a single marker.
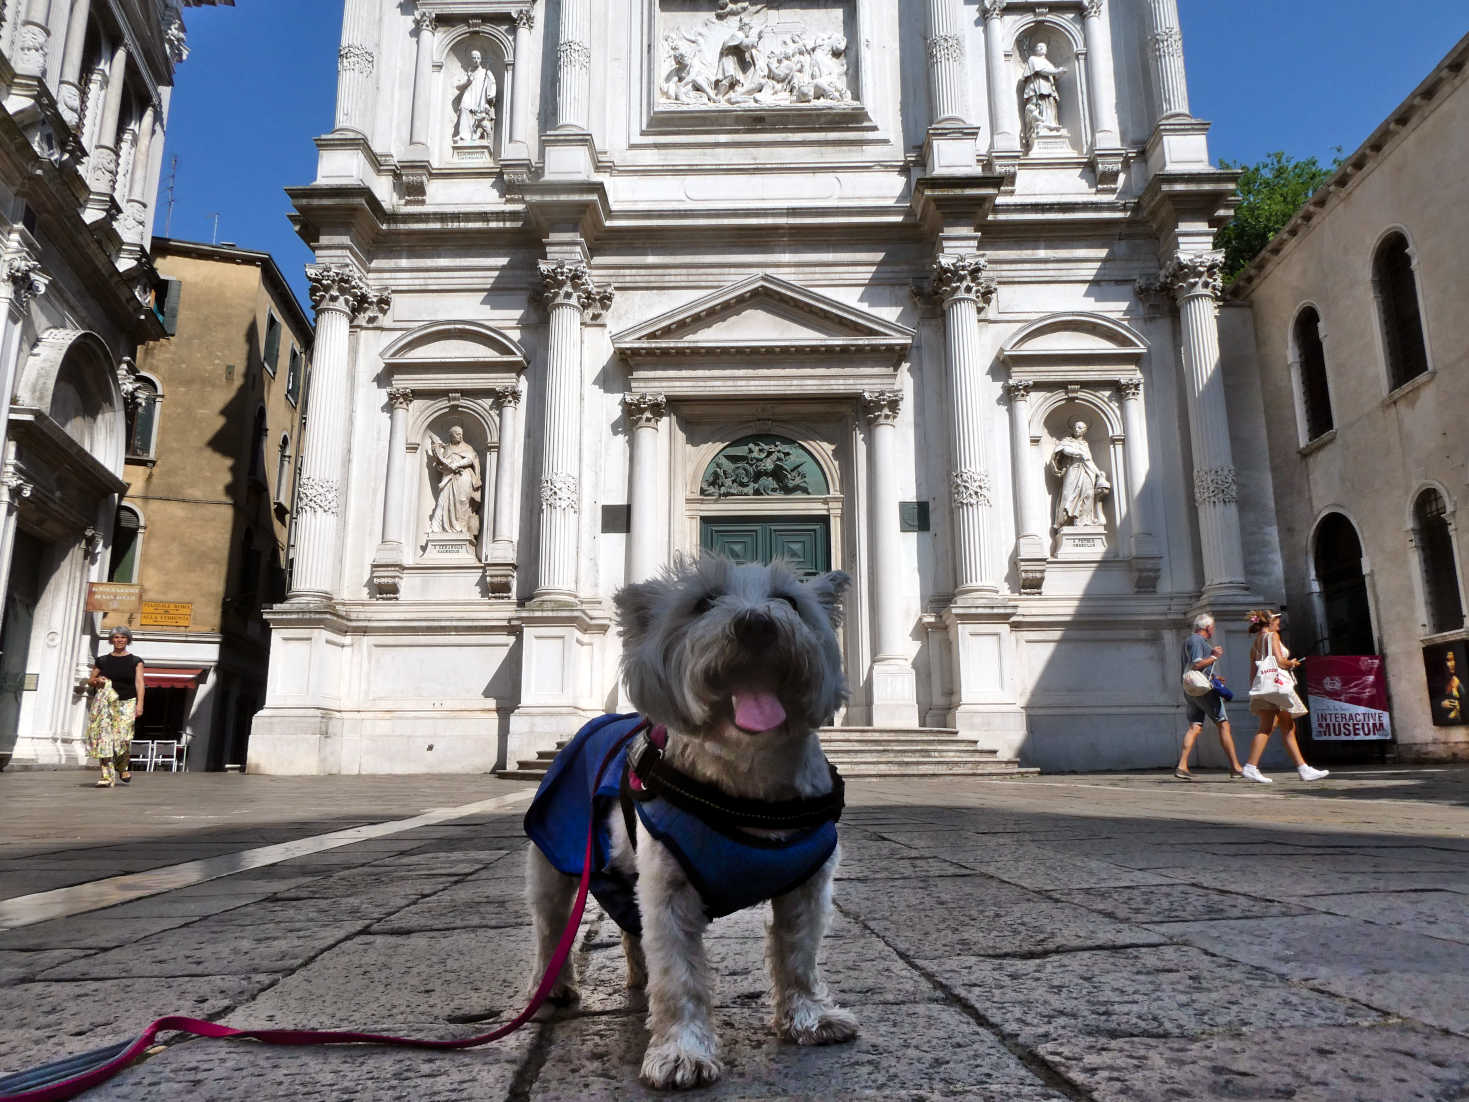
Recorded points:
(805, 541)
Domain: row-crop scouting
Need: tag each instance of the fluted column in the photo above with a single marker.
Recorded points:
(881, 408)
(400, 400)
(135, 214)
(1145, 556)
(103, 165)
(339, 295)
(1167, 43)
(520, 81)
(1031, 553)
(962, 283)
(1100, 78)
(33, 39)
(644, 413)
(573, 66)
(946, 76)
(507, 474)
(1004, 114)
(568, 292)
(356, 66)
(1195, 281)
(69, 88)
(423, 75)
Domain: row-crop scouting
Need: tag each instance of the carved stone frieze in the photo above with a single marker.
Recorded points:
(881, 407)
(566, 283)
(559, 492)
(945, 48)
(354, 58)
(964, 276)
(644, 411)
(1216, 486)
(573, 55)
(971, 488)
(1167, 43)
(318, 495)
(103, 174)
(1188, 274)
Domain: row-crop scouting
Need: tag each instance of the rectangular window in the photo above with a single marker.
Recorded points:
(272, 350)
(293, 376)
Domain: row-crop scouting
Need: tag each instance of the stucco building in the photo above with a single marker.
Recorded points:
(1364, 351)
(833, 278)
(212, 448)
(86, 95)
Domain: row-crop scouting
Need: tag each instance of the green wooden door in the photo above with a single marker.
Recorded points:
(805, 541)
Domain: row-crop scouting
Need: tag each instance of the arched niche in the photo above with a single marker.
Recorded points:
(452, 63)
(434, 422)
(1065, 49)
(71, 377)
(1052, 421)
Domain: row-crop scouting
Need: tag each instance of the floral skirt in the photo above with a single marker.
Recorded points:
(110, 724)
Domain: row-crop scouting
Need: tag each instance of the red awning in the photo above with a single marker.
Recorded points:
(157, 678)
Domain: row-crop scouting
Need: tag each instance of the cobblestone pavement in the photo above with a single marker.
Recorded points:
(1102, 937)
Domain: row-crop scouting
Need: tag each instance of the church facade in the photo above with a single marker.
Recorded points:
(920, 291)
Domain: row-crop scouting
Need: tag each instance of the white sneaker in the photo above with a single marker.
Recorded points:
(1309, 774)
(1251, 773)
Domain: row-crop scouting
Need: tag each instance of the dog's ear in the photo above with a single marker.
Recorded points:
(637, 607)
(829, 589)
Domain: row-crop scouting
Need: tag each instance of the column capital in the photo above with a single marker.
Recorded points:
(570, 283)
(525, 19)
(1018, 390)
(1190, 274)
(881, 407)
(1093, 9)
(19, 488)
(1216, 486)
(644, 411)
(962, 276)
(375, 307)
(400, 397)
(971, 488)
(993, 9)
(1132, 389)
(424, 22)
(27, 279)
(507, 396)
(336, 288)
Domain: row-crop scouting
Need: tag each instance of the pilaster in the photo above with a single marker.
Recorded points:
(894, 684)
(645, 413)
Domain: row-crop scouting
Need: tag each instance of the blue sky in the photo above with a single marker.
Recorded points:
(1304, 76)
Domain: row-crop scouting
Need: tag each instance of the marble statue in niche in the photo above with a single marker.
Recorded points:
(1083, 483)
(456, 466)
(748, 55)
(1040, 91)
(474, 106)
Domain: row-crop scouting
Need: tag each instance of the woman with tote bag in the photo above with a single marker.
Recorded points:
(1273, 696)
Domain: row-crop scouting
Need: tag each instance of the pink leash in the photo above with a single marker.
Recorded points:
(42, 1086)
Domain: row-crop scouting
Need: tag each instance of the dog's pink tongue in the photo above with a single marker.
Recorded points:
(758, 712)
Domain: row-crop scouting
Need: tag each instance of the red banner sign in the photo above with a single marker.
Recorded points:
(1348, 699)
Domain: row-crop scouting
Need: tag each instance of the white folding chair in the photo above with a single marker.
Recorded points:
(165, 752)
(141, 754)
(184, 740)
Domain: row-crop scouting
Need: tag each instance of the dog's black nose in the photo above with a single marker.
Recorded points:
(754, 627)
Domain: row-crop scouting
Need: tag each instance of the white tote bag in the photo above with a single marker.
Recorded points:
(1273, 685)
(1196, 683)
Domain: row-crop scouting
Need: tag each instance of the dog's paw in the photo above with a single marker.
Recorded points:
(812, 1023)
(671, 1066)
(562, 996)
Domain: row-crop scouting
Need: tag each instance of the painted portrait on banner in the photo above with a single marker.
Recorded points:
(1447, 667)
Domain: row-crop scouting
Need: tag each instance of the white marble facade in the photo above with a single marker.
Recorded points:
(819, 242)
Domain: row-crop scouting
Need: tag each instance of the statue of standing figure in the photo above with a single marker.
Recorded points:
(1083, 484)
(475, 106)
(1042, 93)
(456, 463)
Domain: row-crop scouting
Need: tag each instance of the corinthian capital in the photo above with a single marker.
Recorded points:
(1190, 274)
(644, 411)
(881, 407)
(424, 21)
(964, 276)
(525, 19)
(27, 280)
(333, 288)
(571, 284)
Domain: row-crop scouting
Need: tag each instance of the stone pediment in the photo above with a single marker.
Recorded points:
(461, 356)
(1075, 347)
(764, 315)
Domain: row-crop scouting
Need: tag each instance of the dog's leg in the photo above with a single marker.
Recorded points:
(551, 894)
(682, 1049)
(637, 963)
(804, 1010)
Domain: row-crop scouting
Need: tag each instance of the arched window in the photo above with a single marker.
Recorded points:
(257, 447)
(1396, 288)
(1347, 613)
(142, 420)
(1435, 542)
(1310, 357)
(127, 532)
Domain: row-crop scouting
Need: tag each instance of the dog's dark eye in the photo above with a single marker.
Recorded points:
(788, 600)
(706, 602)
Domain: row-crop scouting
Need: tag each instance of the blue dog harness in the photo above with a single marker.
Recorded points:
(729, 867)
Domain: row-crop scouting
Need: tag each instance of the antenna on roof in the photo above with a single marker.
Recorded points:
(215, 239)
(173, 179)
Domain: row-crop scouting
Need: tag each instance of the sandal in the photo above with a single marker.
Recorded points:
(126, 778)
(1183, 774)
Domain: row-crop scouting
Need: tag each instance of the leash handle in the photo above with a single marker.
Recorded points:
(43, 1085)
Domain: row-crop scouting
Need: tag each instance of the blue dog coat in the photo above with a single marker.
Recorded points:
(730, 869)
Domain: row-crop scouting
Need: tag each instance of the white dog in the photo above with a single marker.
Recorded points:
(733, 669)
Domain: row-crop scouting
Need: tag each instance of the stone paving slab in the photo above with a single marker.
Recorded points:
(1394, 970)
(89, 932)
(903, 1052)
(225, 1071)
(1171, 991)
(1394, 1063)
(430, 914)
(1437, 914)
(18, 965)
(1032, 866)
(1175, 903)
(46, 1021)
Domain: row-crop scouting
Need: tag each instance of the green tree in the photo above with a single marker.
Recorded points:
(1271, 192)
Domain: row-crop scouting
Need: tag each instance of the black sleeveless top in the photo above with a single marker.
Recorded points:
(122, 671)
